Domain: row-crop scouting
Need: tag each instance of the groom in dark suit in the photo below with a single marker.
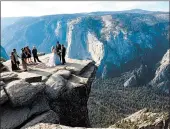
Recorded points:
(58, 49)
(63, 53)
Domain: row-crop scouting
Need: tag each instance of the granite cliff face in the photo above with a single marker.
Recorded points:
(114, 40)
(112, 99)
(50, 95)
(3, 53)
(162, 74)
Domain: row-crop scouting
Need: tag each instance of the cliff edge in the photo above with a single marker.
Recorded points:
(55, 95)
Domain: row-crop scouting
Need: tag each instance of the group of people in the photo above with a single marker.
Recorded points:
(25, 58)
(57, 57)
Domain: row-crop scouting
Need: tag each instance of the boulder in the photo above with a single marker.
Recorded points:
(55, 85)
(13, 117)
(39, 105)
(64, 73)
(76, 93)
(78, 79)
(7, 76)
(71, 103)
(3, 97)
(72, 85)
(22, 93)
(88, 73)
(44, 78)
(48, 117)
(132, 81)
(3, 68)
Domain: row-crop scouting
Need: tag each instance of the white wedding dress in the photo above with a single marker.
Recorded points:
(54, 59)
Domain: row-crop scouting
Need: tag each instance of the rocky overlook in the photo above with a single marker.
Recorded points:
(49, 95)
(52, 98)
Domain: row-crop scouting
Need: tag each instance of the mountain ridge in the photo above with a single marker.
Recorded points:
(131, 10)
(118, 36)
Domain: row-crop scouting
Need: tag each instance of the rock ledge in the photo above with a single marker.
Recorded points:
(49, 95)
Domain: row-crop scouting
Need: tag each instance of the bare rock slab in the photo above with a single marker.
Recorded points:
(74, 92)
(77, 79)
(64, 73)
(48, 117)
(77, 66)
(55, 86)
(30, 77)
(3, 97)
(7, 76)
(39, 105)
(58, 126)
(88, 73)
(22, 93)
(12, 118)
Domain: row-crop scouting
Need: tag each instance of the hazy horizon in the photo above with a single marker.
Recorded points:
(43, 8)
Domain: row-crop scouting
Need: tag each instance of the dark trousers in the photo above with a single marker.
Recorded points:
(36, 58)
(63, 61)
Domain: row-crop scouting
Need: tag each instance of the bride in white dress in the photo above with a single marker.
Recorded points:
(54, 59)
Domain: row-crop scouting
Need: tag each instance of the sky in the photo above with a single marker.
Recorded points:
(40, 8)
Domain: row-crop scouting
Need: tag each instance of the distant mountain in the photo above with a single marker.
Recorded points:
(138, 11)
(3, 53)
(8, 21)
(115, 40)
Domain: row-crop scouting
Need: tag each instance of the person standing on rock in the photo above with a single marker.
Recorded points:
(16, 57)
(28, 55)
(34, 52)
(24, 59)
(63, 53)
(13, 62)
(58, 49)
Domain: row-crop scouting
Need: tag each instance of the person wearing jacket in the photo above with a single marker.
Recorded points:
(34, 52)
